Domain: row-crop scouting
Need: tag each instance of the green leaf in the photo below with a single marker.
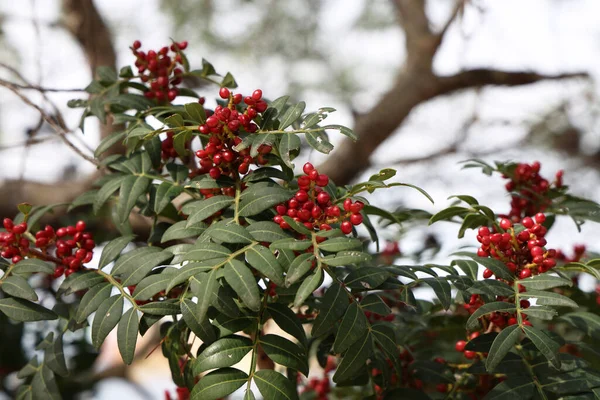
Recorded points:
(287, 321)
(137, 269)
(279, 103)
(266, 231)
(545, 281)
(289, 143)
(273, 385)
(205, 291)
(265, 262)
(318, 141)
(223, 353)
(368, 278)
(91, 300)
(191, 269)
(385, 336)
(229, 81)
(130, 259)
(547, 346)
(492, 287)
(374, 303)
(549, 298)
(340, 243)
(209, 207)
(242, 281)
(32, 265)
(201, 327)
(345, 258)
(298, 268)
(43, 385)
(285, 353)
(503, 343)
(496, 266)
(354, 325)
(262, 196)
(132, 187)
(106, 74)
(515, 388)
(262, 139)
(231, 233)
(291, 115)
(127, 333)
(153, 284)
(54, 357)
(179, 230)
(448, 213)
(584, 321)
(498, 306)
(218, 384)
(224, 301)
(97, 108)
(541, 312)
(195, 112)
(291, 244)
(165, 192)
(106, 318)
(206, 251)
(166, 307)
(86, 198)
(18, 286)
(354, 359)
(343, 130)
(308, 286)
(79, 281)
(106, 191)
(442, 290)
(333, 306)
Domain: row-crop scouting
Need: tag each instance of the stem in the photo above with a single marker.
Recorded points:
(535, 380)
(116, 284)
(255, 339)
(238, 192)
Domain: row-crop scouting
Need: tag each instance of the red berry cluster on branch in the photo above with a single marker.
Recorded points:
(523, 252)
(223, 127)
(160, 70)
(312, 206)
(68, 247)
(528, 190)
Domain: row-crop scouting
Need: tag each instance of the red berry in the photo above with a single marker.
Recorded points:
(460, 345)
(356, 207)
(356, 219)
(137, 44)
(487, 273)
(182, 45)
(347, 204)
(307, 168)
(224, 93)
(322, 180)
(257, 94)
(505, 224)
(540, 218)
(525, 273)
(527, 222)
(346, 227)
(214, 173)
(20, 228)
(8, 224)
(470, 354)
(441, 387)
(80, 226)
(323, 198)
(484, 231)
(524, 303)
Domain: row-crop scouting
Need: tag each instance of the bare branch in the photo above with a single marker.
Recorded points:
(482, 77)
(456, 11)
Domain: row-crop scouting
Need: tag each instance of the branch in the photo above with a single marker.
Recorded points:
(482, 77)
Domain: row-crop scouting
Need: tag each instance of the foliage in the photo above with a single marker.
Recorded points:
(239, 243)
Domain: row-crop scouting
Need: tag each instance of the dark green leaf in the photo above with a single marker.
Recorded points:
(291, 115)
(503, 343)
(136, 270)
(106, 318)
(549, 298)
(130, 259)
(287, 321)
(179, 230)
(584, 321)
(218, 384)
(153, 284)
(298, 268)
(308, 286)
(127, 333)
(227, 232)
(547, 346)
(205, 291)
(354, 325)
(318, 141)
(515, 388)
(165, 192)
(285, 353)
(289, 143)
(201, 327)
(441, 287)
(241, 279)
(54, 357)
(79, 281)
(340, 243)
(346, 258)
(223, 353)
(18, 286)
(333, 306)
(106, 191)
(43, 385)
(131, 188)
(355, 358)
(498, 306)
(166, 307)
(31, 265)
(291, 244)
(545, 281)
(191, 269)
(367, 278)
(91, 300)
(209, 207)
(262, 196)
(266, 231)
(447, 214)
(273, 385)
(265, 262)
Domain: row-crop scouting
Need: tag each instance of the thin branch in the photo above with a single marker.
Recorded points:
(458, 9)
(57, 126)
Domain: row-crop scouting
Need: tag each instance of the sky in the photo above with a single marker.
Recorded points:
(547, 36)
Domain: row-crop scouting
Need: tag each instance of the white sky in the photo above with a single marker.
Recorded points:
(547, 36)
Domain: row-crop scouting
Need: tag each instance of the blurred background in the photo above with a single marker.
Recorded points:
(425, 85)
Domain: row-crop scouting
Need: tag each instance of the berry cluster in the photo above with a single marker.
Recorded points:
(160, 70)
(183, 393)
(461, 344)
(312, 206)
(529, 190)
(68, 247)
(219, 156)
(522, 252)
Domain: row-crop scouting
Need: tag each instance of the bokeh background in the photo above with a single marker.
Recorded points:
(425, 84)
